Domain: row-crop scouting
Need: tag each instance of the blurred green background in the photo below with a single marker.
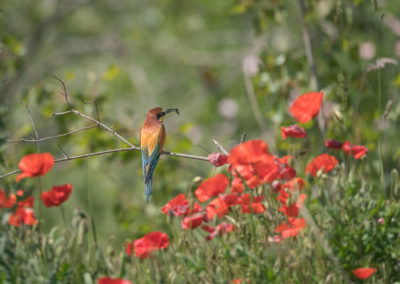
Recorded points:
(229, 66)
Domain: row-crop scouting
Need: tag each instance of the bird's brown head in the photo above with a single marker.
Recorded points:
(160, 112)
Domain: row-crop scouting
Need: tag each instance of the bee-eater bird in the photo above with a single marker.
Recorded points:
(152, 138)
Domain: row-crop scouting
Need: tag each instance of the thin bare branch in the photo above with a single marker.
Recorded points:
(193, 157)
(51, 137)
(100, 124)
(219, 146)
(65, 89)
(34, 128)
(69, 158)
(62, 150)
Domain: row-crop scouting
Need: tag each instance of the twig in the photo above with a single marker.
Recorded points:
(100, 124)
(219, 146)
(52, 137)
(62, 150)
(34, 127)
(65, 89)
(174, 154)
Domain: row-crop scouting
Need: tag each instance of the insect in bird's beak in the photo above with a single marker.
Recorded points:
(172, 110)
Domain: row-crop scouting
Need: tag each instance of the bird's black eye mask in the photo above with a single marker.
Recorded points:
(160, 114)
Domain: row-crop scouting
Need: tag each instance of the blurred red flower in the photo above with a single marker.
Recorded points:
(294, 184)
(108, 280)
(292, 228)
(283, 196)
(129, 248)
(293, 131)
(237, 281)
(179, 206)
(33, 165)
(230, 199)
(24, 215)
(284, 171)
(268, 169)
(306, 106)
(363, 272)
(276, 186)
(293, 209)
(27, 202)
(217, 207)
(56, 195)
(5, 201)
(248, 152)
(237, 185)
(218, 159)
(251, 206)
(192, 221)
(149, 243)
(333, 144)
(211, 187)
(358, 151)
(325, 162)
(220, 229)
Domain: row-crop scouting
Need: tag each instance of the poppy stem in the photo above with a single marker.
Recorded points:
(63, 215)
(40, 203)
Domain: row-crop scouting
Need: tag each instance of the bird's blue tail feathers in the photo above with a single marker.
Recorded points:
(147, 189)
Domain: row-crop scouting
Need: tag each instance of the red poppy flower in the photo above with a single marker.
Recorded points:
(179, 206)
(276, 186)
(251, 206)
(325, 162)
(211, 187)
(293, 210)
(283, 196)
(28, 202)
(192, 221)
(7, 202)
(56, 195)
(217, 207)
(230, 199)
(248, 152)
(358, 151)
(293, 131)
(333, 144)
(237, 185)
(292, 228)
(237, 281)
(129, 248)
(108, 280)
(284, 171)
(149, 243)
(24, 215)
(307, 106)
(33, 165)
(267, 169)
(218, 159)
(294, 184)
(248, 173)
(363, 272)
(220, 229)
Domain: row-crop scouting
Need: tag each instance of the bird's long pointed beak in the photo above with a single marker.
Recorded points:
(172, 110)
